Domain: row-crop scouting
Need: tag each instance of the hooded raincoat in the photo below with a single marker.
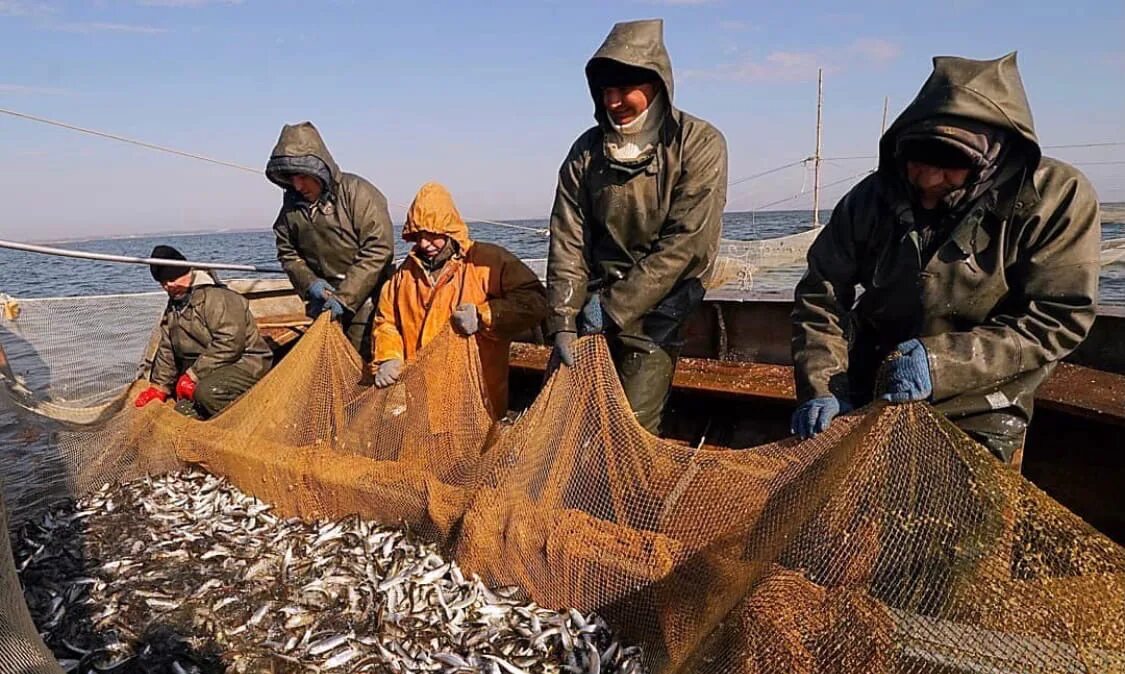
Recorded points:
(345, 238)
(210, 335)
(644, 234)
(1008, 287)
(416, 305)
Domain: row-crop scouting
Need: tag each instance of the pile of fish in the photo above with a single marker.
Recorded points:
(185, 574)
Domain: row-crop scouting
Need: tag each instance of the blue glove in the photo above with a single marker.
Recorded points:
(816, 415)
(334, 305)
(320, 289)
(318, 292)
(905, 374)
(593, 318)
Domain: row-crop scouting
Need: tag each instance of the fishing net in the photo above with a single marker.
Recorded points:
(739, 261)
(21, 649)
(889, 543)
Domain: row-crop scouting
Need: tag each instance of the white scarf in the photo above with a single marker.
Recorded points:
(635, 141)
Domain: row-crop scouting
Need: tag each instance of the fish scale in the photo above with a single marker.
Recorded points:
(185, 572)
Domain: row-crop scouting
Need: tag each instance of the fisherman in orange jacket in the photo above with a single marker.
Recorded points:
(481, 288)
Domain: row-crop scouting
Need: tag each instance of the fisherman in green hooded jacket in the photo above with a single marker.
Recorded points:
(637, 218)
(333, 233)
(978, 260)
(210, 351)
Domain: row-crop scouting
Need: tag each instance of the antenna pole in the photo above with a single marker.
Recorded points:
(883, 126)
(816, 157)
(882, 130)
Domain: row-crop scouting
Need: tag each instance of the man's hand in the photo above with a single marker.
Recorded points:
(466, 319)
(592, 320)
(905, 374)
(564, 349)
(318, 294)
(388, 373)
(816, 415)
(148, 395)
(185, 387)
(335, 307)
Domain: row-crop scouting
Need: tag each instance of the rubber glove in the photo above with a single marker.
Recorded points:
(905, 374)
(466, 319)
(148, 395)
(816, 415)
(318, 293)
(593, 318)
(335, 306)
(185, 387)
(564, 350)
(388, 373)
(320, 289)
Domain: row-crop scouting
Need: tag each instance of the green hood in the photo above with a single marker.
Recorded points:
(990, 92)
(300, 149)
(633, 43)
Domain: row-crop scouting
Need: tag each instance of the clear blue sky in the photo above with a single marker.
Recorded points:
(485, 97)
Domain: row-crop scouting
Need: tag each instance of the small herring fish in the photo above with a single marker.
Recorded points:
(184, 573)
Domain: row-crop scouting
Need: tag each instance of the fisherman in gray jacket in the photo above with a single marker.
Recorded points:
(978, 258)
(334, 235)
(637, 218)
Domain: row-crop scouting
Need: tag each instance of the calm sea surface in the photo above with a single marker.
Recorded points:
(30, 275)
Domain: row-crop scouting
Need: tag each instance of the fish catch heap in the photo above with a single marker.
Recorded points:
(185, 573)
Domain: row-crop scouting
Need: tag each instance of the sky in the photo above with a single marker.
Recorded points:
(486, 97)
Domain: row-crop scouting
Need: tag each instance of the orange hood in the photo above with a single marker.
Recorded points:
(434, 212)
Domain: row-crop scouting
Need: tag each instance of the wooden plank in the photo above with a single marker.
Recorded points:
(1085, 392)
(725, 378)
(282, 330)
(1072, 389)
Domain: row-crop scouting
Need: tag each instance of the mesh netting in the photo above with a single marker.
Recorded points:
(66, 362)
(72, 369)
(738, 262)
(21, 649)
(889, 543)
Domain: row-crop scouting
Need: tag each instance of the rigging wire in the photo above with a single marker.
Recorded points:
(535, 230)
(212, 160)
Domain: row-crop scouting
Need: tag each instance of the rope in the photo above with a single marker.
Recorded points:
(104, 257)
(131, 141)
(536, 230)
(822, 187)
(1063, 146)
(1117, 143)
(765, 173)
(212, 160)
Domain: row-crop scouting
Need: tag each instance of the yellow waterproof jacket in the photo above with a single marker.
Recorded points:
(414, 307)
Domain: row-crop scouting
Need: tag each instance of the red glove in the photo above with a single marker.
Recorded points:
(148, 395)
(185, 387)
